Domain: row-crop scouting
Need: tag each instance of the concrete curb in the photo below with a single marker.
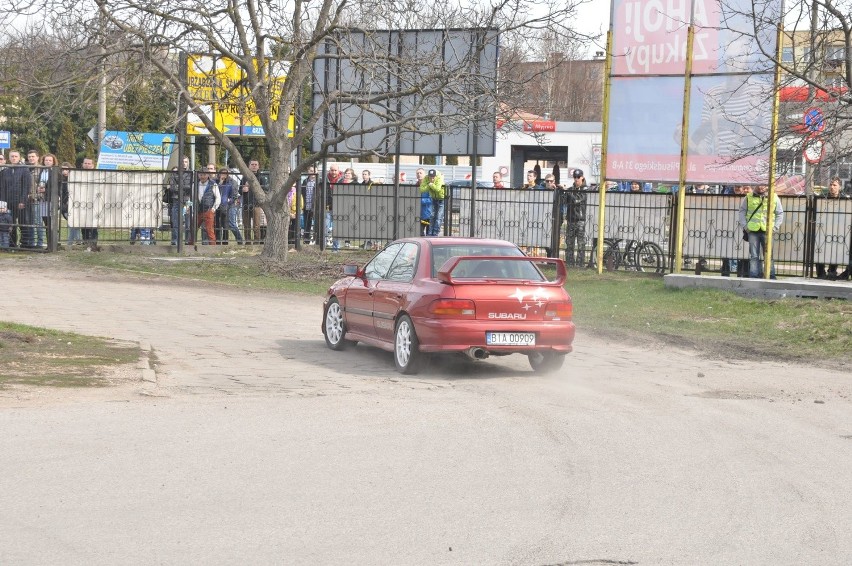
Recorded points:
(149, 376)
(793, 287)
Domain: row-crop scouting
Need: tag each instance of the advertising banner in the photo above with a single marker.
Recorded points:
(645, 116)
(114, 199)
(219, 86)
(729, 125)
(649, 36)
(730, 106)
(135, 150)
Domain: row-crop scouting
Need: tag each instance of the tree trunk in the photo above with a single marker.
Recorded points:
(276, 245)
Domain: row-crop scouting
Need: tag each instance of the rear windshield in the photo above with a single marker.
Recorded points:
(484, 268)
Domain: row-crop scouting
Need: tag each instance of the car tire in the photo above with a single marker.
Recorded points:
(545, 362)
(334, 325)
(406, 347)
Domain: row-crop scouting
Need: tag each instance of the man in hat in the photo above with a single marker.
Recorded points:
(433, 183)
(575, 217)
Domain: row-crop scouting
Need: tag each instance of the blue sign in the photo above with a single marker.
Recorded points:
(5, 139)
(814, 120)
(135, 150)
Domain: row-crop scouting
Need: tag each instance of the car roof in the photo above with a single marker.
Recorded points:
(458, 241)
(465, 183)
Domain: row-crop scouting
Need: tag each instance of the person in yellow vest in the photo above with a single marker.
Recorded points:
(754, 213)
(433, 184)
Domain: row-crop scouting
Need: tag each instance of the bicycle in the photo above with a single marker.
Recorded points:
(636, 256)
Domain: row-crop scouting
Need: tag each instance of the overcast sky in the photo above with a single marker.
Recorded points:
(593, 18)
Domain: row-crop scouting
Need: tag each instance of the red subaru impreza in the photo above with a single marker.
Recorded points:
(422, 296)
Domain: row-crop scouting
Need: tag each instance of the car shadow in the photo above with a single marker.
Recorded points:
(375, 362)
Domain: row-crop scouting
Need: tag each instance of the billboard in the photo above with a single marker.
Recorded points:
(730, 91)
(644, 128)
(135, 150)
(376, 90)
(219, 86)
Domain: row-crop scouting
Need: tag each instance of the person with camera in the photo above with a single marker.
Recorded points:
(754, 215)
(575, 200)
(433, 184)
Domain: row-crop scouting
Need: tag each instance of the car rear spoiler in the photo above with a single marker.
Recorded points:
(445, 273)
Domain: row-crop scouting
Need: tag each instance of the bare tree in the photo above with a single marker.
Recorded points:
(551, 78)
(816, 71)
(49, 71)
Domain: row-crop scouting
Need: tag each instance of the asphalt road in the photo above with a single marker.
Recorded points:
(259, 445)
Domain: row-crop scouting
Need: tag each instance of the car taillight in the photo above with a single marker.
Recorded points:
(559, 311)
(453, 308)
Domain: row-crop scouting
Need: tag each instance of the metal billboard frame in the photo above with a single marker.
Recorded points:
(411, 92)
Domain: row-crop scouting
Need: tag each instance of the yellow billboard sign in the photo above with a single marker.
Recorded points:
(218, 85)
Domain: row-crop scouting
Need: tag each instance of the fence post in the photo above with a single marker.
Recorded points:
(810, 236)
(557, 222)
(53, 202)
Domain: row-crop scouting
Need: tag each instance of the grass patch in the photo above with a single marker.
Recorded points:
(636, 306)
(43, 357)
(306, 272)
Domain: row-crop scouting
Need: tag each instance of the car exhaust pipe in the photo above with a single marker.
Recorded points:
(476, 353)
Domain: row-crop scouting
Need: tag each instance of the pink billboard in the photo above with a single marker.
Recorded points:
(649, 37)
(730, 92)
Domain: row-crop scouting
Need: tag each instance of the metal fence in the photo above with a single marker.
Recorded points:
(50, 207)
(816, 230)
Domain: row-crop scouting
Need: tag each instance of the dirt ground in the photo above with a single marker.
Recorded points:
(251, 442)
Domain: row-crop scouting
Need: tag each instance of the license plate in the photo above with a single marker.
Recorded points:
(510, 338)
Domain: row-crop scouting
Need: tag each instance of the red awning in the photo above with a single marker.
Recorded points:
(800, 94)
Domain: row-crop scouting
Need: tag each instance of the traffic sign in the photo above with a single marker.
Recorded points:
(814, 149)
(5, 139)
(814, 120)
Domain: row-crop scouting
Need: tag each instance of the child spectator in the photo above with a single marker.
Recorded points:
(425, 212)
(5, 225)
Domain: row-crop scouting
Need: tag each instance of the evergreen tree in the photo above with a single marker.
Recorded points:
(66, 149)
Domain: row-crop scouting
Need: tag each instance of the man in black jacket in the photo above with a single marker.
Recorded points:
(254, 225)
(575, 216)
(180, 182)
(15, 186)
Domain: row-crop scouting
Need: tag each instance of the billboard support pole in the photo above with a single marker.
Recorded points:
(773, 133)
(684, 148)
(604, 140)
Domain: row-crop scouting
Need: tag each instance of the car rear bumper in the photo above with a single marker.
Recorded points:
(458, 336)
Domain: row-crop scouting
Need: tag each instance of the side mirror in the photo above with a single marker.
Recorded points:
(350, 270)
